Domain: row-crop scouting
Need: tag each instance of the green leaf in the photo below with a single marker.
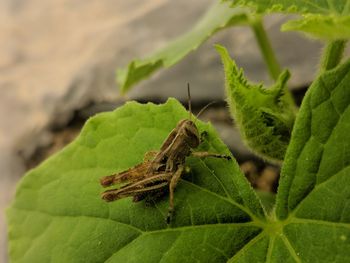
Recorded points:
(320, 26)
(328, 20)
(59, 216)
(324, 7)
(218, 17)
(318, 153)
(264, 117)
(314, 192)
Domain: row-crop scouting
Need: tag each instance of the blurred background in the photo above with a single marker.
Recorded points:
(57, 68)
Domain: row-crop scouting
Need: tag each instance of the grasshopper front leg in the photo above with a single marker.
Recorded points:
(204, 135)
(208, 154)
(174, 179)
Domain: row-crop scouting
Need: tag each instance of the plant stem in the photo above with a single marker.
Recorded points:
(332, 54)
(265, 47)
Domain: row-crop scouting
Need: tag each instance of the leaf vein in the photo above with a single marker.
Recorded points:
(247, 246)
(183, 228)
(297, 220)
(270, 248)
(229, 200)
(79, 216)
(290, 248)
(316, 187)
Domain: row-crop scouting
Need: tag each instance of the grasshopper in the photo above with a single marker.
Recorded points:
(161, 169)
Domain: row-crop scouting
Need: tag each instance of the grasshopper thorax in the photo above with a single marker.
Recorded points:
(190, 132)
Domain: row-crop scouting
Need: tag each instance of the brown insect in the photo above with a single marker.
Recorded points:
(160, 169)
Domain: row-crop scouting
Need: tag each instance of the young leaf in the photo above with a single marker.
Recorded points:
(58, 214)
(218, 17)
(328, 20)
(265, 117)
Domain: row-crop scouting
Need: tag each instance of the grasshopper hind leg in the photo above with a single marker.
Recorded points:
(138, 197)
(151, 197)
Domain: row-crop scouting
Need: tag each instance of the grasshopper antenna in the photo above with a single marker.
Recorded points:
(204, 108)
(189, 100)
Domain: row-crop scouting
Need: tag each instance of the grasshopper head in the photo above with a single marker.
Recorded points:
(190, 132)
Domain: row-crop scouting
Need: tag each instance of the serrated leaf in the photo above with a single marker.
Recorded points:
(59, 216)
(318, 150)
(319, 26)
(314, 192)
(328, 20)
(218, 17)
(264, 117)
